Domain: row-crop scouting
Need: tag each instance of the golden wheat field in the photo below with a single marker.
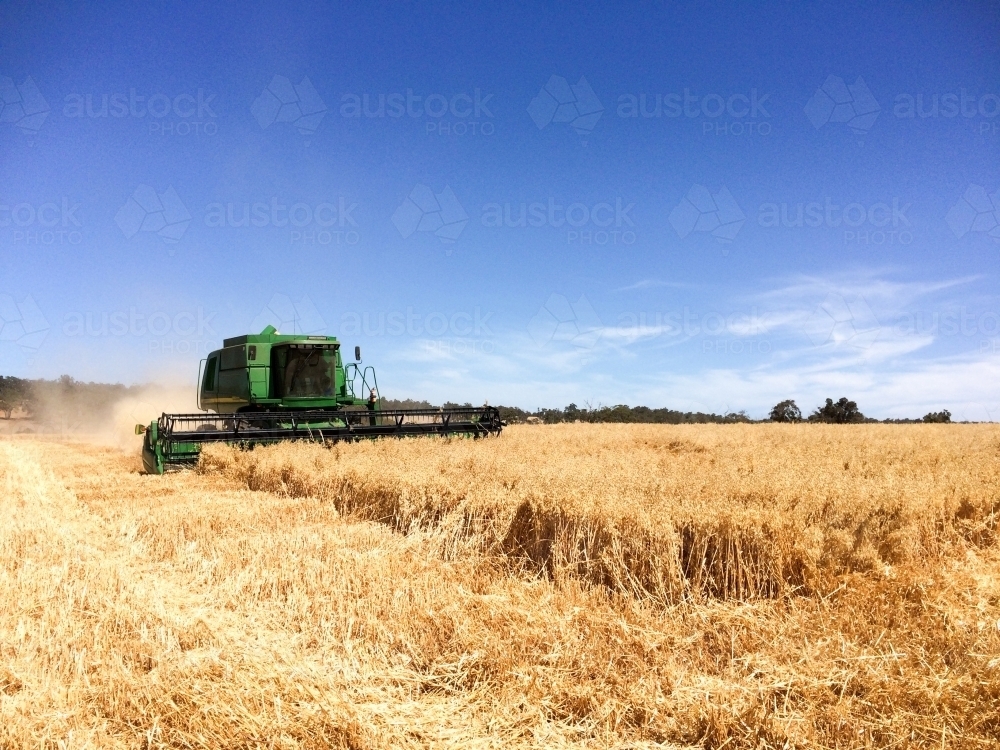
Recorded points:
(605, 586)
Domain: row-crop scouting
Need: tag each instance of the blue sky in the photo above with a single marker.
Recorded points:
(704, 207)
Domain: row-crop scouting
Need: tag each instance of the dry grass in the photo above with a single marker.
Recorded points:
(593, 586)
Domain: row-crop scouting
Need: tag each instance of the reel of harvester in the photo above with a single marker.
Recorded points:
(270, 387)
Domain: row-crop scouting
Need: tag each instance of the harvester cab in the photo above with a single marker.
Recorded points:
(270, 387)
(275, 372)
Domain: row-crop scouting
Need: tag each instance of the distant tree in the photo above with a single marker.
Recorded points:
(841, 412)
(938, 416)
(786, 411)
(404, 403)
(14, 393)
(512, 414)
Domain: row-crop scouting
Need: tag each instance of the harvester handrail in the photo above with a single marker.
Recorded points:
(351, 373)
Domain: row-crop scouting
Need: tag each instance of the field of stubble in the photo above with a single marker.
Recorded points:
(567, 586)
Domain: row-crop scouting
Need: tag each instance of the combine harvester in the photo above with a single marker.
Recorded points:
(272, 387)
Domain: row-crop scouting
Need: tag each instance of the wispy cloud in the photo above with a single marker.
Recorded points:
(653, 284)
(868, 284)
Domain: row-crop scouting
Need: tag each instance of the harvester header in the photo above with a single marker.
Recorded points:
(269, 387)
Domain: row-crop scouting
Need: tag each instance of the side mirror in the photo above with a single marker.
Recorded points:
(357, 354)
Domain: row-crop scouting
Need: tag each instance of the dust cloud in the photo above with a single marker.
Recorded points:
(98, 413)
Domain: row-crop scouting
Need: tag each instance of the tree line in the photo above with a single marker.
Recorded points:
(620, 413)
(63, 399)
(842, 411)
(573, 413)
(36, 397)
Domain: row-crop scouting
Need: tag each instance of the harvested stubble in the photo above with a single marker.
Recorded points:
(190, 611)
(731, 512)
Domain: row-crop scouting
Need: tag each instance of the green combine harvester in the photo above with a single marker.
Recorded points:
(270, 387)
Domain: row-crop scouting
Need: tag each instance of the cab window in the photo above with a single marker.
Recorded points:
(305, 371)
(209, 383)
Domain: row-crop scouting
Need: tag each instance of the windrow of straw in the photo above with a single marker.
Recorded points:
(663, 513)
